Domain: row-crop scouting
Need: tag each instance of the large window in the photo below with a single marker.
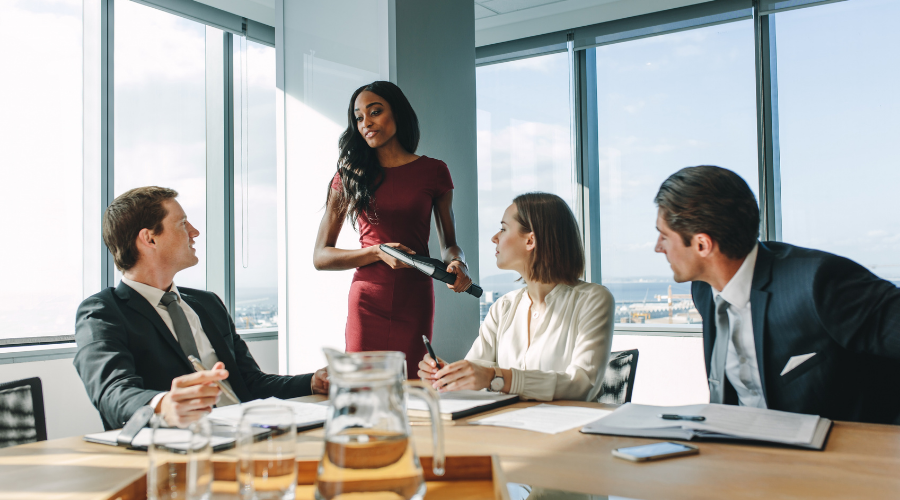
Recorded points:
(664, 103)
(524, 144)
(255, 235)
(160, 112)
(839, 117)
(40, 136)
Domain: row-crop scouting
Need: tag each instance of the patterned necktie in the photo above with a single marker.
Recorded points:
(720, 352)
(179, 321)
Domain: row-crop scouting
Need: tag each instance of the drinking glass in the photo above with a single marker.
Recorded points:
(267, 461)
(180, 461)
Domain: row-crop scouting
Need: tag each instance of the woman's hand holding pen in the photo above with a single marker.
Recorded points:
(462, 375)
(463, 281)
(387, 259)
(456, 376)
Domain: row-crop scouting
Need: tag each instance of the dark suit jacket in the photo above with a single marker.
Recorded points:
(804, 301)
(127, 354)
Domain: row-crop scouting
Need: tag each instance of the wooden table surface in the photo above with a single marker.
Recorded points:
(859, 461)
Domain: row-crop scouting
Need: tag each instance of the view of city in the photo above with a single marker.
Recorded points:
(641, 300)
(256, 308)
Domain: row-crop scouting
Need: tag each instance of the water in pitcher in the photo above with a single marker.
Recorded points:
(362, 464)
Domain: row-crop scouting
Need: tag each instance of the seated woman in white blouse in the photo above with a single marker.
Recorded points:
(551, 339)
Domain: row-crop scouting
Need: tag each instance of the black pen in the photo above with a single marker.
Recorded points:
(672, 416)
(431, 351)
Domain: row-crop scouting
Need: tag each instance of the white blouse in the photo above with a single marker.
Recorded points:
(568, 354)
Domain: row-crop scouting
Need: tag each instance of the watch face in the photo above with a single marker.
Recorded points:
(497, 384)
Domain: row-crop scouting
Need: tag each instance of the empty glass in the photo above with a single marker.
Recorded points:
(180, 461)
(368, 449)
(267, 465)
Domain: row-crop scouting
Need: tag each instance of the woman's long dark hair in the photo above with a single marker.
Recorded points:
(357, 165)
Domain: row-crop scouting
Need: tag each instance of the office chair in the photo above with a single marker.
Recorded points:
(22, 412)
(618, 383)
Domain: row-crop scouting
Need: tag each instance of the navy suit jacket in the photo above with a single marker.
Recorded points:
(804, 301)
(127, 354)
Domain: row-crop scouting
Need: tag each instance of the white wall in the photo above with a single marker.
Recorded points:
(68, 410)
(324, 51)
(671, 370)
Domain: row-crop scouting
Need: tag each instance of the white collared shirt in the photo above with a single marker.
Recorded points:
(741, 366)
(207, 353)
(567, 356)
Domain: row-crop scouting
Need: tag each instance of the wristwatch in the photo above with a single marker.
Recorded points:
(497, 382)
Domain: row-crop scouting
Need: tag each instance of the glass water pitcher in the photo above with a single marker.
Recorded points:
(368, 444)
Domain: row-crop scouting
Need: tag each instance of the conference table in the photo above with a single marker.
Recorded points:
(859, 461)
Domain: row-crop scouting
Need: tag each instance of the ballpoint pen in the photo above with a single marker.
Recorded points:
(431, 352)
(672, 416)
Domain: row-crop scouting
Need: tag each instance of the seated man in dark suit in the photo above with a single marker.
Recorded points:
(133, 340)
(784, 327)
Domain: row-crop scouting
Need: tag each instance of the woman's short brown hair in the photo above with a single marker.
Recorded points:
(124, 218)
(558, 254)
(713, 201)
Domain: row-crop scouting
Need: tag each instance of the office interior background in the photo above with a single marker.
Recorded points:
(237, 104)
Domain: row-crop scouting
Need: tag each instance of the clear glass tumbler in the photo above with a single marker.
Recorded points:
(267, 464)
(180, 461)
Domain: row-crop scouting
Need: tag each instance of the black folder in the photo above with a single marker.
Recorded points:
(432, 267)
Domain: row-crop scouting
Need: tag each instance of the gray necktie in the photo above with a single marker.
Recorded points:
(720, 352)
(180, 322)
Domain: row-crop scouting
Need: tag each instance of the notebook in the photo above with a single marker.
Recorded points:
(174, 439)
(721, 422)
(460, 404)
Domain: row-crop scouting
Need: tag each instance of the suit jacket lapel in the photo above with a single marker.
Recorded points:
(759, 302)
(137, 302)
(224, 354)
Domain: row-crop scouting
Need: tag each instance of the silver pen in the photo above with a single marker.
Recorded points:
(198, 366)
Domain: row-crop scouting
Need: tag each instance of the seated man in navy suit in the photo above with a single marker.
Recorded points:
(784, 327)
(134, 340)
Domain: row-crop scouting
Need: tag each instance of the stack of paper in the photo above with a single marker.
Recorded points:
(459, 404)
(720, 422)
(306, 415)
(549, 419)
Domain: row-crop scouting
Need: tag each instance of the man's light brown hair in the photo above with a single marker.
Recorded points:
(132, 211)
(558, 255)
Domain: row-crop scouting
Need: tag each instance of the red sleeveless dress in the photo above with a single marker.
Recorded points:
(390, 309)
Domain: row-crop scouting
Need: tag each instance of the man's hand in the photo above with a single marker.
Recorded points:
(192, 396)
(461, 375)
(319, 381)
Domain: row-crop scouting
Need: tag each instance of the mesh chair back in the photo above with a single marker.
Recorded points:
(618, 383)
(22, 412)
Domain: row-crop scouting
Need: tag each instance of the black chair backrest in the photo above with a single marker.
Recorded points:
(618, 383)
(22, 417)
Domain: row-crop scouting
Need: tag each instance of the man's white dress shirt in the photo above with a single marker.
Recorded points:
(207, 353)
(567, 357)
(741, 365)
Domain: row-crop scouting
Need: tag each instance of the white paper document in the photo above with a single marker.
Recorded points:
(457, 401)
(305, 414)
(549, 419)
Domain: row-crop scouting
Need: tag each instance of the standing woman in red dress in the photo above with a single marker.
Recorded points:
(388, 193)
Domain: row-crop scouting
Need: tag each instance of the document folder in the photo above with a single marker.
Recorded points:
(432, 267)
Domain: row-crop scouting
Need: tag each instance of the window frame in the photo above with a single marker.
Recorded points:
(582, 42)
(98, 160)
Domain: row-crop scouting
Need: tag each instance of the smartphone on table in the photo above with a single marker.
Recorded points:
(655, 451)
